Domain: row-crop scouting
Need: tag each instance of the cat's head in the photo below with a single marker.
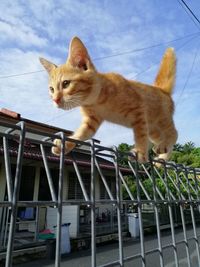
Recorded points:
(75, 82)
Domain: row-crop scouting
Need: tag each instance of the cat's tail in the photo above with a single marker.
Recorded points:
(166, 76)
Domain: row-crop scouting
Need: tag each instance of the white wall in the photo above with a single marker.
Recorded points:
(70, 214)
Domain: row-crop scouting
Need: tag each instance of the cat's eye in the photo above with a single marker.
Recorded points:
(51, 89)
(65, 83)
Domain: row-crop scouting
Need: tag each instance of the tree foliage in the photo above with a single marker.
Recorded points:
(186, 154)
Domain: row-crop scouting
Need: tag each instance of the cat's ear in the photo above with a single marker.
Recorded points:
(78, 55)
(47, 64)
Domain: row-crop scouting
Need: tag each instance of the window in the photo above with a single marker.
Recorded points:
(75, 191)
(27, 182)
(26, 190)
(44, 191)
(111, 181)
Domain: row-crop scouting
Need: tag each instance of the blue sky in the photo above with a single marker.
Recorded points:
(30, 29)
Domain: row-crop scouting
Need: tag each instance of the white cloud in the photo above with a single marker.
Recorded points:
(17, 27)
(23, 36)
(27, 93)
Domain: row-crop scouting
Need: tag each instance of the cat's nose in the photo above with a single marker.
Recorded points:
(57, 100)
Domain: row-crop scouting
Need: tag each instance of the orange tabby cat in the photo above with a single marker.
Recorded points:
(146, 109)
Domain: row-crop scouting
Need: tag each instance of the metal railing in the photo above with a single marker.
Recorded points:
(170, 186)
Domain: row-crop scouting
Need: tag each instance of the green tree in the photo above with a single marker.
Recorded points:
(123, 148)
(188, 147)
(178, 147)
(186, 154)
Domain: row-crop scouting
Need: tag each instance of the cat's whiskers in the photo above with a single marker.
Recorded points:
(72, 102)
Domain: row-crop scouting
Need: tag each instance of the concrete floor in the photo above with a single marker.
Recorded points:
(109, 252)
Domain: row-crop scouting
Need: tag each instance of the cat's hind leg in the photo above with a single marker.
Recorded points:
(141, 141)
(164, 144)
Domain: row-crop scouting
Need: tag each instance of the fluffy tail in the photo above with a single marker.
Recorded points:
(167, 73)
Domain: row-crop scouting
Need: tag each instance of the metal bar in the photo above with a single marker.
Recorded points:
(164, 182)
(104, 180)
(183, 221)
(155, 191)
(101, 201)
(9, 125)
(193, 219)
(60, 199)
(153, 182)
(6, 227)
(185, 173)
(15, 197)
(182, 183)
(142, 247)
(197, 187)
(2, 229)
(80, 180)
(48, 173)
(118, 196)
(8, 169)
(140, 183)
(175, 186)
(169, 195)
(93, 205)
(99, 148)
(36, 224)
(126, 186)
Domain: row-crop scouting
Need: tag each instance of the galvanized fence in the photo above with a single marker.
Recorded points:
(171, 194)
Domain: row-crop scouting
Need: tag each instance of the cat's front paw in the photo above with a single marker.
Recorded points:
(141, 156)
(56, 149)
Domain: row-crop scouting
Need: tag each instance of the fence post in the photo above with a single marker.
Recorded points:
(93, 206)
(118, 197)
(59, 202)
(15, 196)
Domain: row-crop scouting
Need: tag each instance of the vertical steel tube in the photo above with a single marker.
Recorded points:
(197, 187)
(92, 196)
(118, 196)
(49, 178)
(142, 247)
(36, 224)
(7, 169)
(60, 200)
(15, 197)
(195, 232)
(6, 227)
(183, 218)
(2, 230)
(155, 191)
(169, 196)
(193, 218)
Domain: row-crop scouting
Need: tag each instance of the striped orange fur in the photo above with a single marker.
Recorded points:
(147, 109)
